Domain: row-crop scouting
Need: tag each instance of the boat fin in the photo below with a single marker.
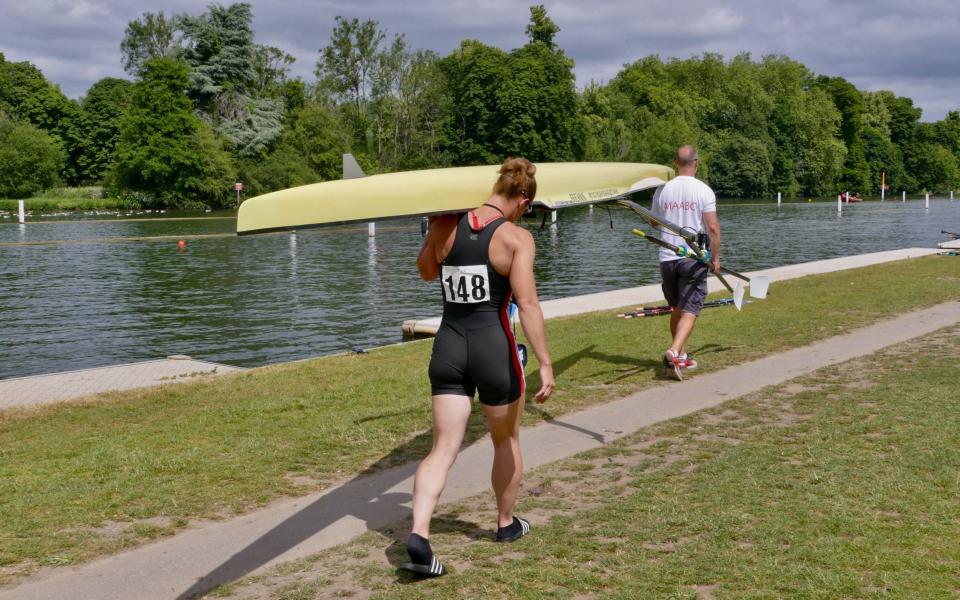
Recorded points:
(351, 169)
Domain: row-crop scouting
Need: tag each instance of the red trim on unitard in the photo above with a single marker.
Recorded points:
(505, 321)
(476, 225)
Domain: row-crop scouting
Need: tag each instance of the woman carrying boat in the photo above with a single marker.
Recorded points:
(482, 259)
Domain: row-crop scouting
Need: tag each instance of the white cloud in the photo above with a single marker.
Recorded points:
(909, 47)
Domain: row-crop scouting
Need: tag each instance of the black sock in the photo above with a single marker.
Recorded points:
(511, 529)
(418, 547)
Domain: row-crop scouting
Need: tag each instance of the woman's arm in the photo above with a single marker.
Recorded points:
(433, 249)
(531, 317)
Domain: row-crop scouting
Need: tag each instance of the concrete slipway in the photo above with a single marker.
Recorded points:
(204, 556)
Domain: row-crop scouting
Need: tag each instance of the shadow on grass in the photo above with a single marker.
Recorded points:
(396, 552)
(369, 496)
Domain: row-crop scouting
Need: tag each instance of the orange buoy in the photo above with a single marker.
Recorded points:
(182, 244)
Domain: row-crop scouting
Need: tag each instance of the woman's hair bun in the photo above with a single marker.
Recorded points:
(517, 178)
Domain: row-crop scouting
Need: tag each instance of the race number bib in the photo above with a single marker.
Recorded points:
(466, 284)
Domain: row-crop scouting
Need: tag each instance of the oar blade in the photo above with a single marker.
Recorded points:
(738, 296)
(759, 284)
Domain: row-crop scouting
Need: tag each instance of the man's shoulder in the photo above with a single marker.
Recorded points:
(688, 185)
(688, 181)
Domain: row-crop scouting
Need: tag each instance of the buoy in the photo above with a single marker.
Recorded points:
(182, 244)
(809, 199)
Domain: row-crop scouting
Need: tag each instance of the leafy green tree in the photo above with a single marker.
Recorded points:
(904, 118)
(164, 150)
(270, 69)
(104, 105)
(230, 77)
(318, 139)
(30, 159)
(347, 66)
(541, 28)
(521, 103)
(933, 167)
(740, 167)
(850, 103)
(471, 75)
(607, 136)
(153, 35)
(539, 100)
(283, 168)
(407, 110)
(946, 132)
(220, 51)
(883, 157)
(27, 95)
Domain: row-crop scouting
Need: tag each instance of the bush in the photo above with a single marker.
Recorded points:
(30, 159)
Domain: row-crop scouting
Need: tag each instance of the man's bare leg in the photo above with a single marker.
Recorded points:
(681, 326)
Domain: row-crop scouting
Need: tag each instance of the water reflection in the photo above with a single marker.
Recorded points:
(294, 271)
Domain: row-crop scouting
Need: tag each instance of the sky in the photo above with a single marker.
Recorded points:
(909, 47)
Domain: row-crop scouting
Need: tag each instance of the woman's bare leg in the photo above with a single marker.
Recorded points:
(450, 416)
(504, 423)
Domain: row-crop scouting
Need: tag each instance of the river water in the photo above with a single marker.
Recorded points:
(79, 292)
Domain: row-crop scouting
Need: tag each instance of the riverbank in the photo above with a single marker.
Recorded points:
(115, 471)
(65, 200)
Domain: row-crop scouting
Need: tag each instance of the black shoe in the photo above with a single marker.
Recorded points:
(434, 569)
(422, 559)
(514, 531)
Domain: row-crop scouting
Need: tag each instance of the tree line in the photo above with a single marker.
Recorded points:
(206, 105)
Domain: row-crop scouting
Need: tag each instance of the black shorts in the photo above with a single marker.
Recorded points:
(465, 361)
(684, 284)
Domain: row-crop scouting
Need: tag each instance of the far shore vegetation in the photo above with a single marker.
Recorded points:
(90, 477)
(89, 198)
(207, 105)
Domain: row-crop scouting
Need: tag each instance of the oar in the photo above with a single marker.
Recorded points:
(666, 310)
(700, 255)
(759, 284)
(689, 236)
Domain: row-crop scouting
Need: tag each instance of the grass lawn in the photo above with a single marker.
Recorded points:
(841, 484)
(84, 479)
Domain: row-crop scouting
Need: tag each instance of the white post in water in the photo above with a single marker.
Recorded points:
(846, 196)
(839, 205)
(553, 216)
(951, 195)
(904, 195)
(20, 216)
(371, 229)
(778, 199)
(926, 201)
